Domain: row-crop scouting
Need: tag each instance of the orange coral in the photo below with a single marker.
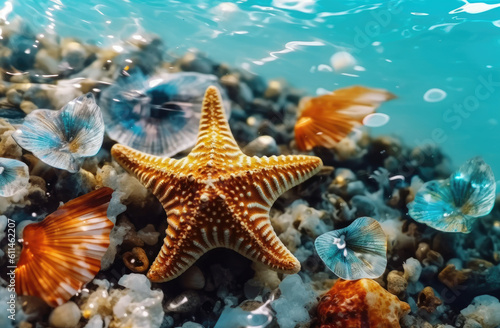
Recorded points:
(64, 251)
(327, 119)
(360, 303)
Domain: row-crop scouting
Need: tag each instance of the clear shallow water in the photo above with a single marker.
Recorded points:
(407, 47)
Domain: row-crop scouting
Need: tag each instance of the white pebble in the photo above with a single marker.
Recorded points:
(65, 316)
(485, 309)
(413, 269)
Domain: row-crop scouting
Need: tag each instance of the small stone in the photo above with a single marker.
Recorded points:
(196, 63)
(46, 63)
(485, 310)
(274, 90)
(74, 54)
(186, 302)
(14, 97)
(396, 283)
(262, 146)
(452, 277)
(232, 84)
(148, 235)
(427, 300)
(193, 278)
(27, 106)
(479, 265)
(190, 324)
(65, 316)
(422, 250)
(433, 258)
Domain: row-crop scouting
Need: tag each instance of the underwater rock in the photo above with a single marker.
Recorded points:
(193, 278)
(484, 309)
(396, 283)
(8, 147)
(186, 302)
(61, 138)
(14, 176)
(427, 300)
(358, 251)
(115, 239)
(66, 315)
(159, 115)
(262, 146)
(135, 306)
(412, 269)
(70, 242)
(327, 119)
(294, 303)
(452, 277)
(239, 318)
(148, 235)
(454, 204)
(360, 303)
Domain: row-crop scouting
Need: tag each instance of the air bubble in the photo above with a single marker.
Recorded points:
(376, 120)
(434, 95)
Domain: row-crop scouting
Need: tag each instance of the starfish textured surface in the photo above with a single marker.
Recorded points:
(217, 196)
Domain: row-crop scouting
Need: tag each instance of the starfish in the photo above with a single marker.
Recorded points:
(217, 196)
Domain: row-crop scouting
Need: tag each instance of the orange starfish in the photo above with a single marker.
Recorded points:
(217, 196)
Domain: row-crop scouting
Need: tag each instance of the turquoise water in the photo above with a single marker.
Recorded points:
(407, 47)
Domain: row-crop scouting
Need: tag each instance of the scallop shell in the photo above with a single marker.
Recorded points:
(63, 252)
(327, 119)
(14, 176)
(61, 138)
(159, 115)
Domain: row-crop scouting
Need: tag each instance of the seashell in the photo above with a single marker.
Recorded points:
(63, 252)
(327, 119)
(61, 138)
(159, 115)
(14, 176)
(136, 260)
(358, 251)
(360, 303)
(454, 204)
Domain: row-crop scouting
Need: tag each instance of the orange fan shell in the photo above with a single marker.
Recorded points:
(360, 303)
(327, 119)
(63, 252)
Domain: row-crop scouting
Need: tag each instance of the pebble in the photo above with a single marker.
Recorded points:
(46, 63)
(274, 90)
(262, 146)
(186, 302)
(74, 55)
(65, 316)
(14, 97)
(195, 63)
(27, 106)
(396, 283)
(193, 278)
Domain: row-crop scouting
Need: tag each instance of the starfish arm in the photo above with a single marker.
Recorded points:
(275, 175)
(215, 139)
(147, 168)
(181, 248)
